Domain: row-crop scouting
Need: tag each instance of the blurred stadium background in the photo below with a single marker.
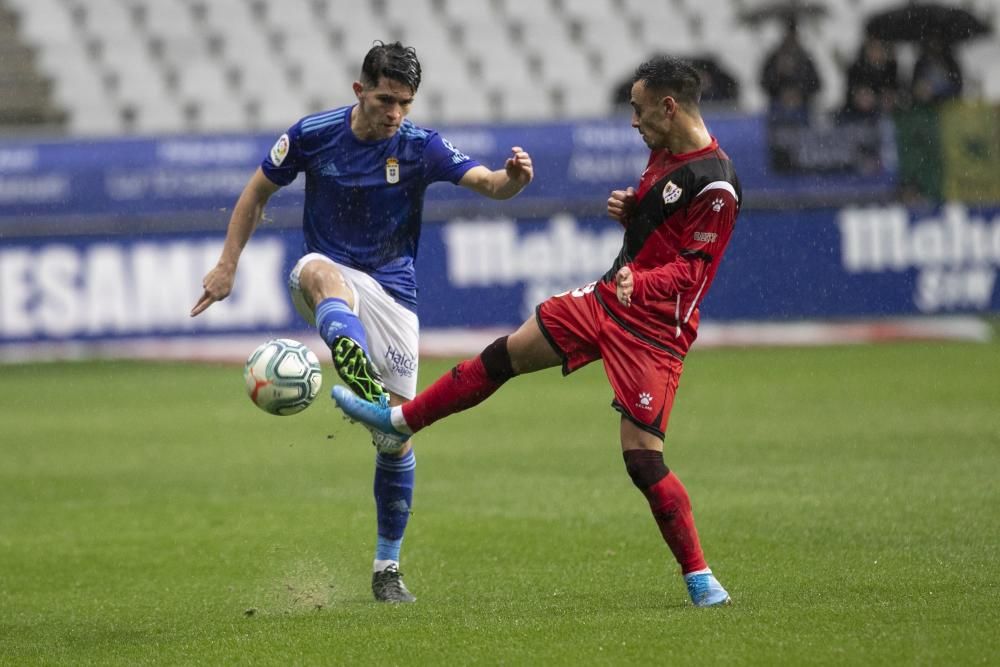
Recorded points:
(128, 128)
(151, 515)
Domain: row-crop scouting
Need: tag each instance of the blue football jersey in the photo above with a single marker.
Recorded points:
(364, 199)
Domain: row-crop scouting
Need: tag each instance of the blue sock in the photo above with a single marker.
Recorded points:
(334, 318)
(393, 497)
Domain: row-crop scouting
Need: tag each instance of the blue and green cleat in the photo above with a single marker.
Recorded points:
(356, 369)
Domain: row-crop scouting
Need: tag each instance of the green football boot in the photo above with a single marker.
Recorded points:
(356, 369)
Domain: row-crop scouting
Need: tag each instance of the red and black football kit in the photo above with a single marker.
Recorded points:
(686, 207)
(674, 238)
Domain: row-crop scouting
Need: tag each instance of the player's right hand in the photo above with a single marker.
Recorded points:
(218, 284)
(621, 203)
(624, 286)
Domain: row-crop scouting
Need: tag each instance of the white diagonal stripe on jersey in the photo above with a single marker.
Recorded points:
(677, 317)
(694, 302)
(720, 185)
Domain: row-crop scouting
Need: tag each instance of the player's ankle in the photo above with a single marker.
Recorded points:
(399, 421)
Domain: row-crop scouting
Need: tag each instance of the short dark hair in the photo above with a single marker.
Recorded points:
(394, 61)
(671, 75)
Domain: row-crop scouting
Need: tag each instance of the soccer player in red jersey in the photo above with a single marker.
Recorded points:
(640, 318)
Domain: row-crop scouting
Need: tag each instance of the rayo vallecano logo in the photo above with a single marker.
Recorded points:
(955, 255)
(671, 192)
(645, 400)
(279, 150)
(392, 170)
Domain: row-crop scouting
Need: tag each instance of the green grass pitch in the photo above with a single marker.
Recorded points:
(847, 497)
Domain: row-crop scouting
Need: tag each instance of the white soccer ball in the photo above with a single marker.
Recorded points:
(283, 376)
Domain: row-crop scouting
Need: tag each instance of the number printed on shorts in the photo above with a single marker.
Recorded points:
(579, 291)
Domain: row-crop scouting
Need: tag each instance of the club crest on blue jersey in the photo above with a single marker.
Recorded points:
(671, 192)
(392, 170)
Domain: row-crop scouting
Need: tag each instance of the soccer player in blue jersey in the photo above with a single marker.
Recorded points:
(366, 168)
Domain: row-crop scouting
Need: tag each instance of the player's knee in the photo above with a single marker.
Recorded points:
(496, 361)
(321, 280)
(645, 467)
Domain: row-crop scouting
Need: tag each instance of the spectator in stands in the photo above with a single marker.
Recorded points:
(719, 88)
(937, 76)
(790, 79)
(873, 86)
(872, 92)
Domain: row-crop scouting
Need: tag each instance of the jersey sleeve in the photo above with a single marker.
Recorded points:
(444, 162)
(710, 220)
(284, 161)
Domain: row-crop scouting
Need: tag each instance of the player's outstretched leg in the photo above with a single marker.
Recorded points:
(376, 415)
(343, 332)
(467, 384)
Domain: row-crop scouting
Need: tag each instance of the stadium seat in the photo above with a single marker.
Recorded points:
(105, 19)
(471, 106)
(95, 116)
(526, 103)
(981, 60)
(218, 114)
(163, 117)
(44, 23)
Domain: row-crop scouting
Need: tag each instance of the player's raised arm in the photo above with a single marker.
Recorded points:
(247, 213)
(503, 183)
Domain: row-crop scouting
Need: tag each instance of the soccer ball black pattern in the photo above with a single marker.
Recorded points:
(283, 376)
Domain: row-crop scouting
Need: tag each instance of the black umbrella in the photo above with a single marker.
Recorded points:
(917, 22)
(718, 85)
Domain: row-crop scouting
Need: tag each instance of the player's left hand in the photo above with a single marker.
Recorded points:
(518, 166)
(624, 284)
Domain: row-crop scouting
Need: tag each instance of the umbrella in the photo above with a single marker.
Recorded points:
(783, 11)
(917, 22)
(718, 85)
